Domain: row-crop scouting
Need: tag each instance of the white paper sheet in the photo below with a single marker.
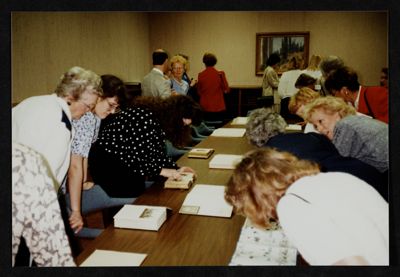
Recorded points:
(240, 120)
(206, 200)
(113, 258)
(225, 161)
(229, 132)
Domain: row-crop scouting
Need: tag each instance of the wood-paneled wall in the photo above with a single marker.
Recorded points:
(45, 44)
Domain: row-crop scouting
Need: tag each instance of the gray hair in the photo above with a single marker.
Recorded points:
(76, 80)
(330, 63)
(264, 124)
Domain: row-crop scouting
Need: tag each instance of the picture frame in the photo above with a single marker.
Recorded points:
(286, 44)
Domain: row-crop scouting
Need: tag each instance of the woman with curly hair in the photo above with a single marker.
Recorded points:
(131, 145)
(316, 211)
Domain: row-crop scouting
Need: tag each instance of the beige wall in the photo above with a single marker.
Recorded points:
(44, 45)
(360, 38)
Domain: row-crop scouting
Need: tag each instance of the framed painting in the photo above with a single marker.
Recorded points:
(285, 44)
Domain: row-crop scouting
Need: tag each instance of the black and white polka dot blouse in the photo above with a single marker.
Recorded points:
(138, 140)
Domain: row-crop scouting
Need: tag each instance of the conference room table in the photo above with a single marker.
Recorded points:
(182, 240)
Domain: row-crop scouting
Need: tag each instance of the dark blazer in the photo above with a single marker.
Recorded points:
(318, 148)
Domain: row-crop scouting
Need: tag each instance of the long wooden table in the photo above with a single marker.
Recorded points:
(183, 240)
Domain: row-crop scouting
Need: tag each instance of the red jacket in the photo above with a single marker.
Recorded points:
(211, 87)
(377, 98)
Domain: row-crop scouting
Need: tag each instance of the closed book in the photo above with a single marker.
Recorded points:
(201, 153)
(140, 217)
(293, 128)
(225, 161)
(229, 132)
(206, 200)
(184, 183)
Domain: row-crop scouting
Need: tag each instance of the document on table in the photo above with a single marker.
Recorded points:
(113, 258)
(240, 120)
(229, 132)
(225, 161)
(206, 200)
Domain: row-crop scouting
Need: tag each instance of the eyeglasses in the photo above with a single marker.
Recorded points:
(89, 107)
(113, 107)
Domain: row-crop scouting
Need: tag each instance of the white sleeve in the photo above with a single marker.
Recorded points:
(43, 131)
(316, 236)
(282, 86)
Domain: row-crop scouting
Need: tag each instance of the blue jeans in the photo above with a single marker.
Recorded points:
(92, 200)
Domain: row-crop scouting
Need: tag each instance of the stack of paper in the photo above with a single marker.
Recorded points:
(113, 258)
(185, 183)
(263, 247)
(225, 161)
(202, 153)
(229, 132)
(240, 120)
(140, 217)
(206, 200)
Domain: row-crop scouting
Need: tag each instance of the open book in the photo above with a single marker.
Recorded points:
(113, 258)
(229, 132)
(225, 161)
(185, 183)
(202, 153)
(140, 217)
(206, 200)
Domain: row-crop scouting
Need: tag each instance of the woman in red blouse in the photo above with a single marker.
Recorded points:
(211, 86)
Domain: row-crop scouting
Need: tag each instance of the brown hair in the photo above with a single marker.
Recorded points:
(304, 96)
(261, 179)
(170, 112)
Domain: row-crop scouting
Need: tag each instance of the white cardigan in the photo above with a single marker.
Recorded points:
(36, 122)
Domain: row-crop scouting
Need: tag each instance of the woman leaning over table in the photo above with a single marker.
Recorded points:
(317, 211)
(131, 146)
(87, 127)
(44, 122)
(267, 129)
(355, 136)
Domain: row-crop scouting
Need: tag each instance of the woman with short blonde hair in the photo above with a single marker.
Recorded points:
(353, 135)
(316, 210)
(329, 104)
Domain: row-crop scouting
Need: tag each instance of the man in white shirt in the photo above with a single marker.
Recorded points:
(155, 83)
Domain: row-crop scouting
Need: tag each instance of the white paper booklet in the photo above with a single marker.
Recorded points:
(140, 217)
(113, 258)
(229, 132)
(225, 161)
(206, 200)
(263, 247)
(240, 120)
